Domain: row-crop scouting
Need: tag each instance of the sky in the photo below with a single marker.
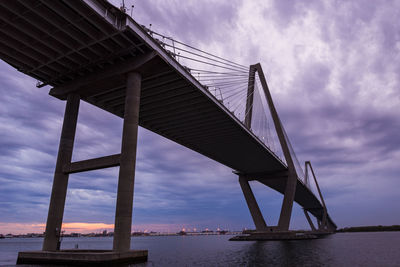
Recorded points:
(334, 74)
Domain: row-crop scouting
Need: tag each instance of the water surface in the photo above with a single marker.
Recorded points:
(341, 249)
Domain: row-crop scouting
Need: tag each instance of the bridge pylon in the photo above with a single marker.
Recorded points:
(324, 225)
(126, 161)
(281, 231)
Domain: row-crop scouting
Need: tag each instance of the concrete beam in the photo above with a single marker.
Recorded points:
(13, 33)
(255, 212)
(193, 126)
(23, 49)
(275, 118)
(203, 133)
(290, 190)
(171, 98)
(31, 31)
(250, 97)
(324, 219)
(92, 164)
(117, 93)
(46, 27)
(309, 220)
(219, 140)
(287, 203)
(59, 23)
(123, 213)
(60, 182)
(97, 20)
(116, 69)
(176, 112)
(180, 116)
(306, 182)
(264, 175)
(73, 18)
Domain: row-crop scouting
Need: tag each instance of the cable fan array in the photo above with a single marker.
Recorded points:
(262, 123)
(228, 82)
(262, 127)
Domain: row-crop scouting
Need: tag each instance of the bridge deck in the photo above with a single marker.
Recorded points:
(89, 45)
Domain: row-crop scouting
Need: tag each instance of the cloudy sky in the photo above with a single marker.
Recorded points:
(333, 69)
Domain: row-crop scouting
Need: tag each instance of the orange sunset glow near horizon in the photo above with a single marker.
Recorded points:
(84, 228)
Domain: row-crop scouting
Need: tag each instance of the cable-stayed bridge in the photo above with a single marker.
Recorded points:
(92, 51)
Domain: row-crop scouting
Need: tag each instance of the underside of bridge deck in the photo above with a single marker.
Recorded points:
(88, 49)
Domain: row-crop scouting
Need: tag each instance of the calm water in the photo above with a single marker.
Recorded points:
(342, 249)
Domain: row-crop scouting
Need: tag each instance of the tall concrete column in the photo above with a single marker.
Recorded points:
(123, 213)
(324, 218)
(252, 205)
(60, 182)
(287, 203)
(250, 97)
(309, 220)
(290, 189)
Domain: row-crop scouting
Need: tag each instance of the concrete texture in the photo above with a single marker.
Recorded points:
(92, 164)
(250, 97)
(290, 189)
(182, 119)
(255, 212)
(82, 257)
(123, 213)
(173, 103)
(60, 182)
(309, 220)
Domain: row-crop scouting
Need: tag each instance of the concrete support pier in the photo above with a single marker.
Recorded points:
(83, 257)
(288, 199)
(281, 231)
(123, 213)
(60, 183)
(309, 220)
(255, 212)
(121, 253)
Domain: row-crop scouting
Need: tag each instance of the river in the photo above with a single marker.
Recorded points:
(341, 249)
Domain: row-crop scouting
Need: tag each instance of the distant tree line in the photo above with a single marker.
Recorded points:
(378, 228)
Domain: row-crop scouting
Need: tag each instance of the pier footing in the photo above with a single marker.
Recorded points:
(82, 257)
(266, 236)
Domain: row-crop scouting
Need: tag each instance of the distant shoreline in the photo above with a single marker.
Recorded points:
(134, 234)
(378, 228)
(355, 229)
